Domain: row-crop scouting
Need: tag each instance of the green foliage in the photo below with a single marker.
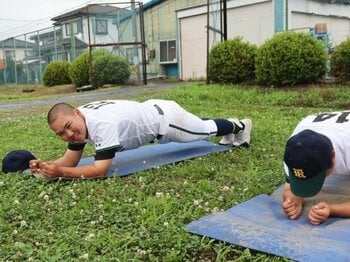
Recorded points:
(340, 61)
(110, 69)
(56, 73)
(107, 69)
(143, 217)
(79, 70)
(290, 58)
(232, 61)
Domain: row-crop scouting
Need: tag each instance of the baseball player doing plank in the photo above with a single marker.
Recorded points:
(318, 147)
(117, 125)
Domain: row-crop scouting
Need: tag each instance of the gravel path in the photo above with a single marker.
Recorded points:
(82, 97)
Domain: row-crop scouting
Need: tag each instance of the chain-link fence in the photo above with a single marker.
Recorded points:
(117, 28)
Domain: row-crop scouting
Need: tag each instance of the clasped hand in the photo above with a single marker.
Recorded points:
(317, 214)
(48, 169)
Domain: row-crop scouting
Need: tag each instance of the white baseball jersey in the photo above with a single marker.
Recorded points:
(336, 126)
(116, 125)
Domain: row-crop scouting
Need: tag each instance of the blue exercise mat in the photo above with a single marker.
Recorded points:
(155, 155)
(260, 224)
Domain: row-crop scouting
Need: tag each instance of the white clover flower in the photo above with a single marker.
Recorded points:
(226, 188)
(2, 183)
(16, 202)
(185, 182)
(140, 178)
(143, 252)
(92, 222)
(215, 210)
(90, 236)
(130, 200)
(159, 194)
(196, 202)
(136, 203)
(14, 232)
(23, 223)
(71, 191)
(206, 203)
(166, 224)
(85, 256)
(221, 198)
(46, 198)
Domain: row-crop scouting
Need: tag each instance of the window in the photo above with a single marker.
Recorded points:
(77, 27)
(101, 26)
(9, 54)
(168, 51)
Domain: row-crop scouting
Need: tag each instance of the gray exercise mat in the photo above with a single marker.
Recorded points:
(260, 224)
(155, 155)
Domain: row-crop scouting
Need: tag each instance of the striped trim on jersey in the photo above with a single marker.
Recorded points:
(107, 153)
(189, 131)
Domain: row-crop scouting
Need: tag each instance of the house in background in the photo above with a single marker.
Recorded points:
(92, 24)
(14, 55)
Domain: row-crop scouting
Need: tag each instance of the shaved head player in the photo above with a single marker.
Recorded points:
(117, 125)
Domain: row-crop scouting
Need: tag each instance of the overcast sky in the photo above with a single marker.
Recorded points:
(23, 16)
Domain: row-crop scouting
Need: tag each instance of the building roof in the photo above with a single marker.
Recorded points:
(89, 10)
(13, 42)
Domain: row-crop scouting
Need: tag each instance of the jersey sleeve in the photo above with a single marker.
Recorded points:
(76, 146)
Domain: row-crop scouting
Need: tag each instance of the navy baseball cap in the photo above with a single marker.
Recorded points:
(16, 161)
(308, 155)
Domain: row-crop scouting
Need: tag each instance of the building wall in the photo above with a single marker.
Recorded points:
(160, 25)
(253, 21)
(306, 14)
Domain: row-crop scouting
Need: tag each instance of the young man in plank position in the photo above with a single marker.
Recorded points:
(117, 125)
(318, 147)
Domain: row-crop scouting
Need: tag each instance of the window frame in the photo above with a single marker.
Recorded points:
(99, 25)
(171, 55)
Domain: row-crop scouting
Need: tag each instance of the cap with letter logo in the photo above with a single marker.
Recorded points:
(308, 155)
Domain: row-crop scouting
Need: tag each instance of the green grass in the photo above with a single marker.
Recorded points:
(143, 217)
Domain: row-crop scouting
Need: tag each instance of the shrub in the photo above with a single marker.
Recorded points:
(232, 61)
(107, 69)
(110, 69)
(290, 58)
(340, 61)
(56, 73)
(79, 70)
